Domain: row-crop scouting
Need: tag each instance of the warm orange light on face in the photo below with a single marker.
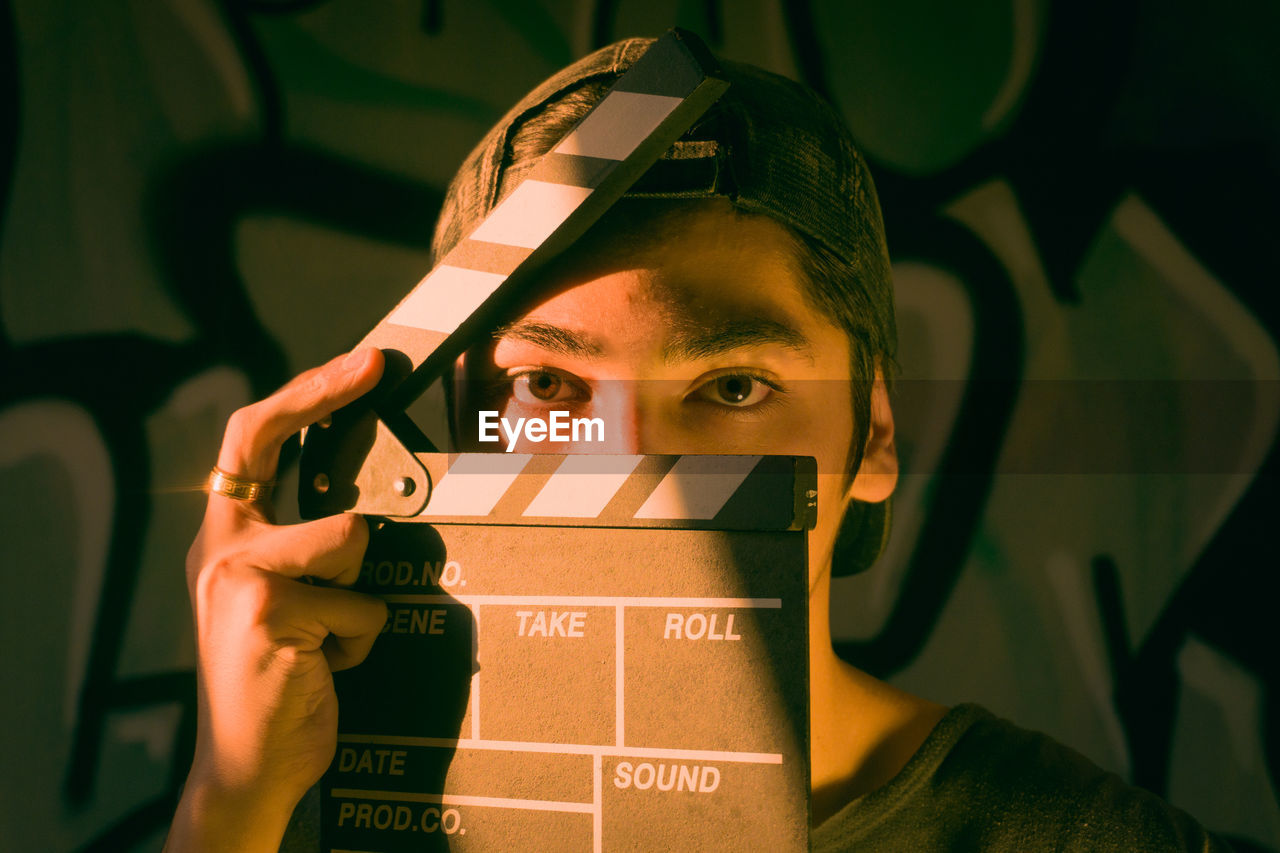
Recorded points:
(702, 342)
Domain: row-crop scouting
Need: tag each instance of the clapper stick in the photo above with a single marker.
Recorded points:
(365, 458)
(718, 492)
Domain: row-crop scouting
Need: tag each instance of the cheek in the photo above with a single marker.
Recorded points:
(832, 438)
(821, 427)
(831, 507)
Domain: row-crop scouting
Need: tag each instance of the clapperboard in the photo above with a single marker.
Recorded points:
(583, 652)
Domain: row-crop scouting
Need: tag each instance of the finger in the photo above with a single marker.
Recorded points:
(352, 621)
(346, 652)
(344, 613)
(254, 434)
(330, 549)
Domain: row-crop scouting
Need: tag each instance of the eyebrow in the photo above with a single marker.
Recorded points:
(694, 340)
(691, 340)
(552, 338)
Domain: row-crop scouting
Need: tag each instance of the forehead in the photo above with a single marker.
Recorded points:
(678, 266)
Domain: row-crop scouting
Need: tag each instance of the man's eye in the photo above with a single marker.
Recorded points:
(542, 386)
(735, 389)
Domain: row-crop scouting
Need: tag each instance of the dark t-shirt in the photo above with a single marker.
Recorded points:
(982, 783)
(977, 783)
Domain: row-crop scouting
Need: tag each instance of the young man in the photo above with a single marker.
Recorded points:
(739, 301)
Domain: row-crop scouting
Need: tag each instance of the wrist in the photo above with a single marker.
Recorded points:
(211, 816)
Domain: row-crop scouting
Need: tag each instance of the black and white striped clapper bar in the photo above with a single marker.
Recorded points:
(358, 460)
(680, 492)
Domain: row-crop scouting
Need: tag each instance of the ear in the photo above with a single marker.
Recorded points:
(878, 474)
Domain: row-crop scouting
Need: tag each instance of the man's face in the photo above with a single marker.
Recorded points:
(697, 339)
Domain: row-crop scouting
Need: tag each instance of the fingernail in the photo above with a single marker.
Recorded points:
(356, 359)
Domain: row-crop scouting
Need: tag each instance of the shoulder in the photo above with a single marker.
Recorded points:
(979, 782)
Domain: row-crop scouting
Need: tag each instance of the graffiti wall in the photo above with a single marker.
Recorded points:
(199, 199)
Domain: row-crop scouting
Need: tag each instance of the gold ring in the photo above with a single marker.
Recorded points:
(237, 488)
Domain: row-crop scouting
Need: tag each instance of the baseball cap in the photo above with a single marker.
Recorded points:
(770, 145)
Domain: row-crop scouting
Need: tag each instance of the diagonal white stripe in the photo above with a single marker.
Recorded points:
(447, 296)
(617, 125)
(697, 487)
(475, 483)
(529, 215)
(582, 486)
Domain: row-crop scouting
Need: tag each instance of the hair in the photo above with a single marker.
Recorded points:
(834, 285)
